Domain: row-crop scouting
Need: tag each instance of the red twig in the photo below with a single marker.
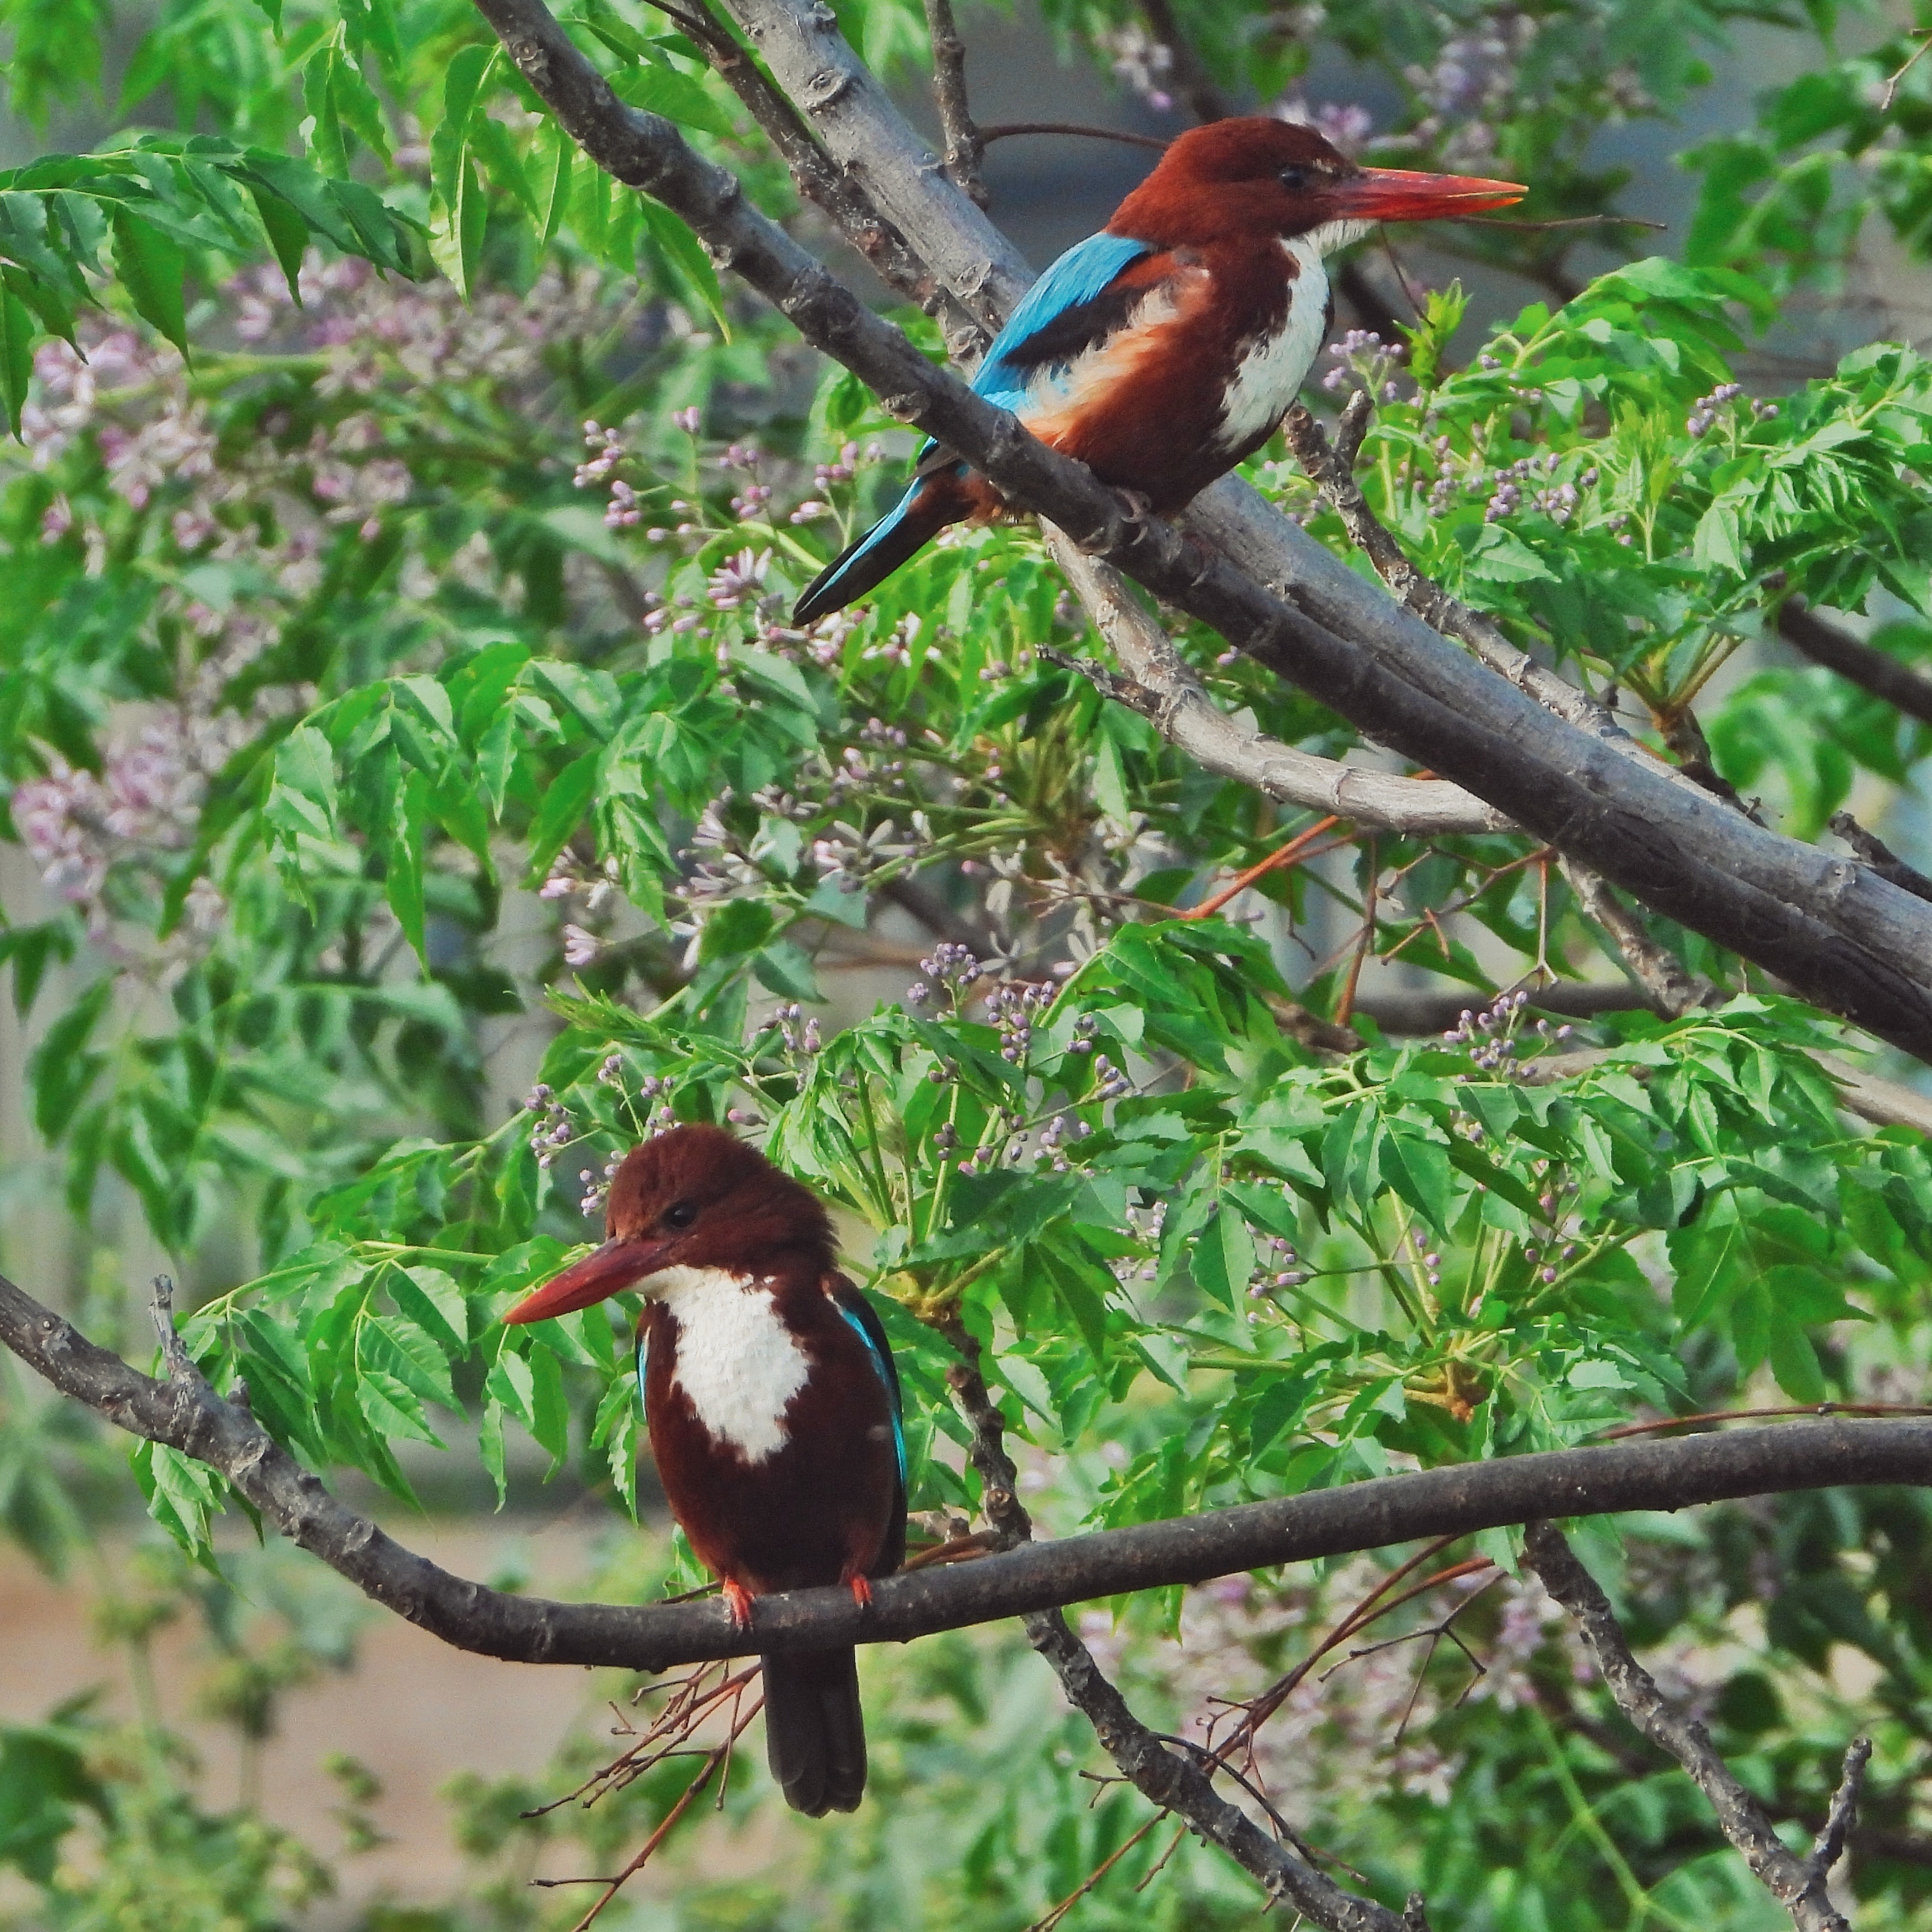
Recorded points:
(1296, 847)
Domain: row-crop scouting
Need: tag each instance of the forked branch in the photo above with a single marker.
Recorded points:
(1797, 1884)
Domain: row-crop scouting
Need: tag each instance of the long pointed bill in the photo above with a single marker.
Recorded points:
(602, 1272)
(1399, 194)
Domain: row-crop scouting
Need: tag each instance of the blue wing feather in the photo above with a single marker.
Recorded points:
(1080, 274)
(865, 1325)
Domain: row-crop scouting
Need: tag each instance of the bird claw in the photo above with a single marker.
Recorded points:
(1135, 504)
(861, 1587)
(738, 1601)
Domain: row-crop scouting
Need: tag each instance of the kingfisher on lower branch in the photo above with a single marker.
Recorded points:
(1166, 349)
(773, 1406)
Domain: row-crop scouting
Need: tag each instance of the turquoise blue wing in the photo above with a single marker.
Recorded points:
(1078, 277)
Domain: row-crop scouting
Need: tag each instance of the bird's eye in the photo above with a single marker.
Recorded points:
(679, 1214)
(1295, 179)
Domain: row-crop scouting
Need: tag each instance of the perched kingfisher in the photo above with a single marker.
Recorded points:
(1164, 349)
(773, 1405)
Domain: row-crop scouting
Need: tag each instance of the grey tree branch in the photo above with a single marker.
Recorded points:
(965, 149)
(1838, 650)
(814, 175)
(1842, 937)
(1797, 1884)
(1332, 471)
(185, 1414)
(1874, 852)
(1669, 984)
(1161, 687)
(1160, 1774)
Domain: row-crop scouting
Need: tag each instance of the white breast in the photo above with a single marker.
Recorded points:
(738, 1363)
(1269, 376)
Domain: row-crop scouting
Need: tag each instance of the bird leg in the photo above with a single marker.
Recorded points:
(860, 1585)
(738, 1601)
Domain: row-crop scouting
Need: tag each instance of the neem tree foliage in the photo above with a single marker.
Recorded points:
(399, 532)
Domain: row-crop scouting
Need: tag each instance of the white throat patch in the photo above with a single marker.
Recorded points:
(737, 1362)
(1269, 376)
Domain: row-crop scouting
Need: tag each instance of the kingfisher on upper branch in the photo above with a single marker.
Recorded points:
(773, 1406)
(1165, 350)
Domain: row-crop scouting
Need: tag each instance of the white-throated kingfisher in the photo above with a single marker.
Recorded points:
(1167, 348)
(773, 1408)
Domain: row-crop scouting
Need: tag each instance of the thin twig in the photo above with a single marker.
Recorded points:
(1282, 856)
(1052, 1918)
(1890, 92)
(1568, 221)
(1797, 1884)
(1004, 130)
(964, 149)
(1874, 852)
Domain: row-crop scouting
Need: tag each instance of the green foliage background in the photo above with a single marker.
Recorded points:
(320, 656)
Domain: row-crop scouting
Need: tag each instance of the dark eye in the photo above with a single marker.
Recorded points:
(1295, 179)
(679, 1214)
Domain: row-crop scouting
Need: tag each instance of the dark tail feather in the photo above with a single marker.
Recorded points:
(814, 1730)
(922, 513)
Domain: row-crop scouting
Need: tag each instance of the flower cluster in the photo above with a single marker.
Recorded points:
(1704, 411)
(1489, 1035)
(1361, 355)
(798, 1034)
(951, 967)
(552, 1128)
(1012, 1008)
(1140, 62)
(1472, 85)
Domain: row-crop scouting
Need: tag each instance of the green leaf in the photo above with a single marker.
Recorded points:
(403, 852)
(60, 1070)
(1222, 1261)
(677, 97)
(152, 269)
(685, 255)
(564, 805)
(18, 330)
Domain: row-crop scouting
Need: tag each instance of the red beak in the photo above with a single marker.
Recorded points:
(604, 1272)
(1399, 194)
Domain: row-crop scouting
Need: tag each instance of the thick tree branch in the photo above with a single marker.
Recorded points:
(1838, 650)
(186, 1414)
(1161, 687)
(1843, 939)
(813, 173)
(1848, 941)
(1797, 1884)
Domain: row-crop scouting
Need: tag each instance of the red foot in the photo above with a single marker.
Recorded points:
(861, 1588)
(738, 1601)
